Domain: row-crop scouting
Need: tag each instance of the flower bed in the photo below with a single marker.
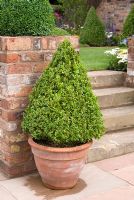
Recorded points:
(118, 59)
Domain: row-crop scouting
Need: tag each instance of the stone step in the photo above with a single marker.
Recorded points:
(106, 78)
(111, 145)
(114, 97)
(118, 118)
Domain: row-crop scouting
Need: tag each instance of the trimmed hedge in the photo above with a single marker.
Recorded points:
(59, 32)
(26, 17)
(93, 32)
(63, 110)
(128, 28)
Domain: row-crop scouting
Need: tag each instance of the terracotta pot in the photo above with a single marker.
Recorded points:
(59, 168)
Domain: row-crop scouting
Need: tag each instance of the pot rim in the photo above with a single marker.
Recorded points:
(58, 149)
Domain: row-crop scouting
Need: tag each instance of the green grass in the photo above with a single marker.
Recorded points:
(94, 58)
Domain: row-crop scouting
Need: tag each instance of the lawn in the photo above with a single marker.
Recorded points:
(94, 58)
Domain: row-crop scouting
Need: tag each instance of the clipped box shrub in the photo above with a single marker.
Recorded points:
(59, 32)
(93, 32)
(26, 17)
(63, 110)
(128, 28)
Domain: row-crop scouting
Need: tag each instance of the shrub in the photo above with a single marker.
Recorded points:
(93, 32)
(26, 17)
(59, 31)
(118, 59)
(128, 28)
(63, 110)
(75, 12)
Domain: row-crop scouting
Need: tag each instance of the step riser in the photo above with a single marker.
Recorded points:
(103, 153)
(111, 145)
(116, 100)
(119, 122)
(107, 81)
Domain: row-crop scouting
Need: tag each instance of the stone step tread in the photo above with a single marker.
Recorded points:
(119, 111)
(106, 78)
(104, 73)
(111, 145)
(114, 90)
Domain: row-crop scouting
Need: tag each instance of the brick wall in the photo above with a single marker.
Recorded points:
(22, 59)
(114, 12)
(130, 68)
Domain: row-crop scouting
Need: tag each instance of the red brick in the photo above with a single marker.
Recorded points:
(29, 167)
(52, 43)
(17, 43)
(3, 57)
(12, 58)
(3, 68)
(9, 58)
(20, 68)
(18, 91)
(24, 92)
(44, 43)
(2, 79)
(37, 43)
(39, 67)
(74, 41)
(17, 158)
(11, 115)
(14, 137)
(14, 148)
(0, 102)
(8, 126)
(11, 171)
(131, 42)
(18, 79)
(14, 103)
(131, 50)
(32, 57)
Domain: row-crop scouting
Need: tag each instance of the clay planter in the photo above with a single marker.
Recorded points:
(59, 168)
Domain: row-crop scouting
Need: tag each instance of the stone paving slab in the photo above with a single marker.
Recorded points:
(116, 162)
(92, 181)
(126, 174)
(5, 195)
(124, 193)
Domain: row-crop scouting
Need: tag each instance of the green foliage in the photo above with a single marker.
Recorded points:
(63, 110)
(128, 28)
(115, 65)
(26, 17)
(59, 31)
(75, 12)
(93, 32)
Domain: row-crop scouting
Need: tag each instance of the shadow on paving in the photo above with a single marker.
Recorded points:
(35, 184)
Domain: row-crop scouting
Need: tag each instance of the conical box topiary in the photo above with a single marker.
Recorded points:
(128, 27)
(63, 110)
(93, 32)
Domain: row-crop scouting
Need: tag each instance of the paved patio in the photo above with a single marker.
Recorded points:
(111, 179)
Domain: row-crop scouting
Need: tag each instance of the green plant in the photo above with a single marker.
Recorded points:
(63, 110)
(59, 31)
(115, 65)
(75, 12)
(128, 28)
(93, 32)
(118, 59)
(26, 17)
